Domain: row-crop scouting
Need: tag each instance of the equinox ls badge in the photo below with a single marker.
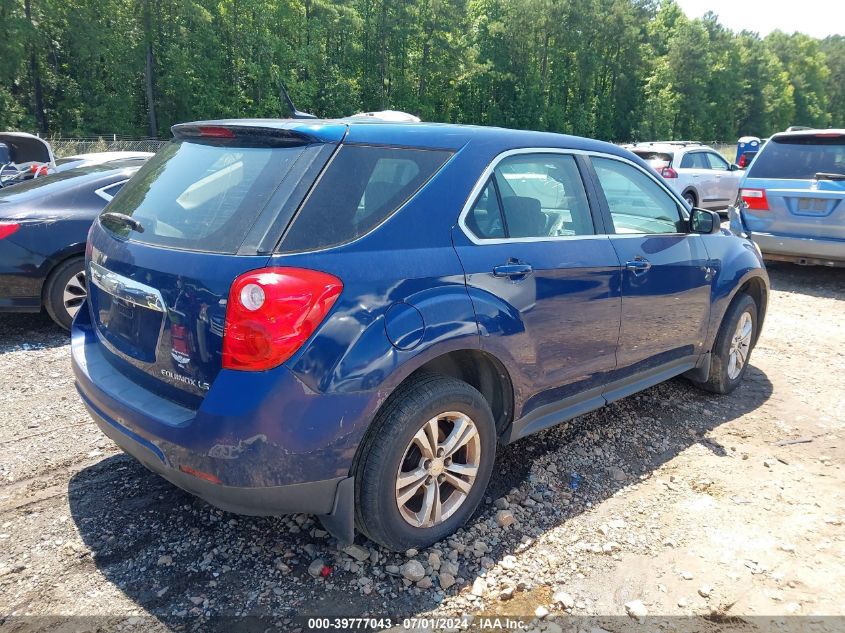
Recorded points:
(185, 379)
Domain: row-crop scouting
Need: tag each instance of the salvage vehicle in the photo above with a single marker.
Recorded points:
(43, 227)
(792, 200)
(345, 318)
(24, 157)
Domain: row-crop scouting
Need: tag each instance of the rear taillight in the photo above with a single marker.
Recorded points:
(668, 172)
(743, 161)
(754, 199)
(271, 312)
(7, 228)
(39, 170)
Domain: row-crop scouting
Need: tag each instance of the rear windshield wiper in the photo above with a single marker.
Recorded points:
(823, 175)
(126, 220)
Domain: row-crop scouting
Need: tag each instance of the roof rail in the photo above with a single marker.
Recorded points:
(682, 143)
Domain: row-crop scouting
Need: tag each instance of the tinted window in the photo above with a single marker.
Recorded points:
(485, 218)
(716, 162)
(637, 203)
(694, 160)
(542, 195)
(361, 188)
(201, 196)
(800, 157)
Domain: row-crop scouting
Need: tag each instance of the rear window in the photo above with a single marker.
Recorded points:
(202, 196)
(655, 159)
(361, 188)
(800, 157)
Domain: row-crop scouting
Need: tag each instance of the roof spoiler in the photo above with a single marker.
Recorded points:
(231, 131)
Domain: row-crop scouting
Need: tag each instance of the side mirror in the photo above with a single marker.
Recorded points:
(734, 167)
(704, 221)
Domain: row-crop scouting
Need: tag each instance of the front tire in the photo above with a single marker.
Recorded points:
(425, 463)
(734, 344)
(65, 291)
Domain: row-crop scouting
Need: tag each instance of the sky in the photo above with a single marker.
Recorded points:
(818, 18)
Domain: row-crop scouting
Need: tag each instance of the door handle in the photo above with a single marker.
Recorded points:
(638, 265)
(512, 270)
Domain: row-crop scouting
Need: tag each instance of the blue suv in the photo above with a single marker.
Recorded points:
(345, 318)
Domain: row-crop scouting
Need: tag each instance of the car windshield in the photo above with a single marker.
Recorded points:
(800, 157)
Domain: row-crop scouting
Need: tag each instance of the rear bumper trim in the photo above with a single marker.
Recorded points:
(799, 248)
(314, 497)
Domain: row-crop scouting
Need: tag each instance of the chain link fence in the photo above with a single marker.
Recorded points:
(73, 146)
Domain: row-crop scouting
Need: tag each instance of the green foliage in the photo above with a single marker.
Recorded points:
(611, 69)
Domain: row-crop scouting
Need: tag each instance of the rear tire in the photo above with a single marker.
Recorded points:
(411, 491)
(689, 196)
(734, 344)
(65, 291)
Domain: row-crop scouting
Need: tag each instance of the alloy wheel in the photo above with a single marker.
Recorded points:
(740, 345)
(438, 469)
(75, 292)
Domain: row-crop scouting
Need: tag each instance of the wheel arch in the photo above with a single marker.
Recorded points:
(479, 369)
(55, 261)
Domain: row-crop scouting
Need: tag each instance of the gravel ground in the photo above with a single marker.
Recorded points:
(671, 502)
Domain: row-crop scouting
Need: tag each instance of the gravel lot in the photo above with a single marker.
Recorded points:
(670, 502)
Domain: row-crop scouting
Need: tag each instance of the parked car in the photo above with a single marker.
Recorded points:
(346, 317)
(792, 199)
(43, 227)
(97, 158)
(23, 157)
(697, 172)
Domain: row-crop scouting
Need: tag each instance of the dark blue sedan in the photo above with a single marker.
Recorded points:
(44, 223)
(345, 318)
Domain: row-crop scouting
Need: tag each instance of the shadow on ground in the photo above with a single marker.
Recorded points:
(35, 330)
(163, 548)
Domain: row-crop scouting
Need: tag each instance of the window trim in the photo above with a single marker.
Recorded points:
(594, 197)
(102, 193)
(608, 216)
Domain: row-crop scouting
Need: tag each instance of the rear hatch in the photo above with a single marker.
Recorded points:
(163, 254)
(796, 186)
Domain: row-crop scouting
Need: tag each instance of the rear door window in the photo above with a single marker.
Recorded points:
(694, 160)
(202, 196)
(800, 157)
(361, 188)
(532, 196)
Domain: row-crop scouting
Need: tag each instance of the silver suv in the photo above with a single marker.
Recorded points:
(696, 171)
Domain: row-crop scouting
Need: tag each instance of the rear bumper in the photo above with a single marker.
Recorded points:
(259, 444)
(803, 250)
(314, 497)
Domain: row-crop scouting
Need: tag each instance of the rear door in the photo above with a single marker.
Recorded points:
(542, 279)
(726, 182)
(697, 171)
(797, 203)
(204, 210)
(666, 274)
